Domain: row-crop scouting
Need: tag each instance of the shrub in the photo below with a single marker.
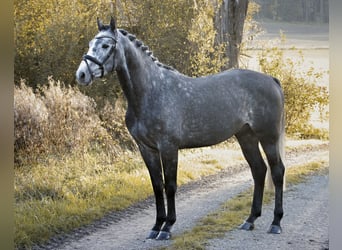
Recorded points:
(56, 120)
(303, 94)
(30, 119)
(113, 120)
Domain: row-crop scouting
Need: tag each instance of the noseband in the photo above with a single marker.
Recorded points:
(94, 60)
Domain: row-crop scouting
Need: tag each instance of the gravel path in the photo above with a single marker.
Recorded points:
(305, 223)
(202, 197)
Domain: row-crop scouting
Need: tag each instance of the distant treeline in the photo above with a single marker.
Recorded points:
(295, 10)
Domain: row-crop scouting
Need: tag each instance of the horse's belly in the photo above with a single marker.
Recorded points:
(200, 135)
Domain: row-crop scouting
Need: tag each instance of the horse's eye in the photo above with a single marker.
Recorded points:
(105, 46)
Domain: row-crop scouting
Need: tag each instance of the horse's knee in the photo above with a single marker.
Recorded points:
(170, 189)
(259, 174)
(277, 173)
(158, 189)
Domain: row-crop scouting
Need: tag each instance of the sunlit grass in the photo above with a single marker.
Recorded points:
(66, 194)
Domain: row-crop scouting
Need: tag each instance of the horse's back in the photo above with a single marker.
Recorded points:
(241, 93)
(218, 106)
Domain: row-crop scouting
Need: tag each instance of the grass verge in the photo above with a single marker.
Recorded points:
(64, 194)
(234, 211)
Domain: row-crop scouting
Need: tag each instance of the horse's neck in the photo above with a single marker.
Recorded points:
(134, 75)
(126, 85)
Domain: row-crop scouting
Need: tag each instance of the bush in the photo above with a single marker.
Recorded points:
(56, 120)
(30, 119)
(303, 95)
(113, 120)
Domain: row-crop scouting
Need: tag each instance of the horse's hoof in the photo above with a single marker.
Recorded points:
(153, 235)
(163, 235)
(274, 229)
(247, 226)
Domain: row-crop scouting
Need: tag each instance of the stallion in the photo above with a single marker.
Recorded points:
(168, 111)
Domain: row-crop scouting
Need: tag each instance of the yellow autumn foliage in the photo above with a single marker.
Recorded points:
(50, 37)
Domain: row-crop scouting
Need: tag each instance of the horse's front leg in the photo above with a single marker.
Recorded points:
(152, 160)
(169, 160)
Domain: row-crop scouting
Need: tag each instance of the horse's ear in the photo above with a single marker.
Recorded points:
(100, 24)
(112, 24)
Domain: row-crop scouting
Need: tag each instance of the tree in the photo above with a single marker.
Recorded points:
(206, 57)
(49, 37)
(229, 23)
(163, 26)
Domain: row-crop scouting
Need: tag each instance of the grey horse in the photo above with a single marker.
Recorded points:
(168, 111)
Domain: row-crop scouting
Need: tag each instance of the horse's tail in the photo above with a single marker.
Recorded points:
(281, 146)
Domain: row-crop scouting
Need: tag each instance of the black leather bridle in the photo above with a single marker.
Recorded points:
(101, 64)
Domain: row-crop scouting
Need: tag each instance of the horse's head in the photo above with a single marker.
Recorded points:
(100, 58)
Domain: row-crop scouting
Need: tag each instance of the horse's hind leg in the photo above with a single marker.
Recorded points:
(277, 171)
(250, 147)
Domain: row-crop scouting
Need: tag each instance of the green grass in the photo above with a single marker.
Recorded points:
(234, 211)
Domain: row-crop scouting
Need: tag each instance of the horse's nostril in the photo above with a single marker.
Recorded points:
(82, 75)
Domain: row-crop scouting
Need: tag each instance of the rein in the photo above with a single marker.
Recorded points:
(94, 60)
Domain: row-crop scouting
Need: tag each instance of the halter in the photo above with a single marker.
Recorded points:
(94, 60)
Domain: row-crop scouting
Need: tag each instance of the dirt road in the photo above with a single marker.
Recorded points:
(305, 222)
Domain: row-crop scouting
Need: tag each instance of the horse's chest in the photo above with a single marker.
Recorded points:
(143, 131)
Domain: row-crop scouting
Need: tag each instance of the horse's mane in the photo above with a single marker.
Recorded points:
(144, 48)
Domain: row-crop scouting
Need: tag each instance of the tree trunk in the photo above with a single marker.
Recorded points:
(237, 11)
(229, 22)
